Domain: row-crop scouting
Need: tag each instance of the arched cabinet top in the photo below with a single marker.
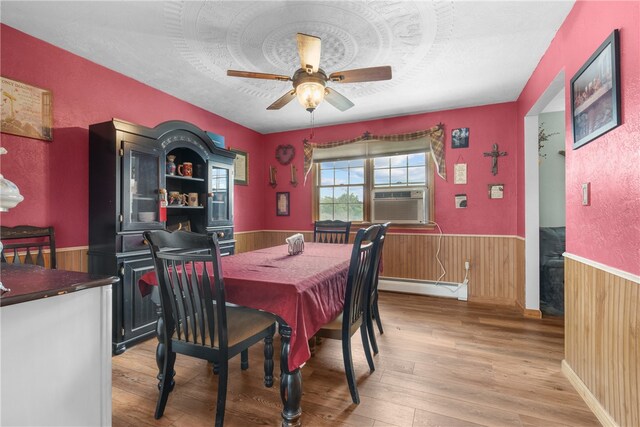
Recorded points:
(176, 133)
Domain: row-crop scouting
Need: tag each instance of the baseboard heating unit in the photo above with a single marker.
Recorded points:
(424, 287)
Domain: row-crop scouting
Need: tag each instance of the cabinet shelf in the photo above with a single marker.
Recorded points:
(184, 178)
(135, 197)
(185, 207)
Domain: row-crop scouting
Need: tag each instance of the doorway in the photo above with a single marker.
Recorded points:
(532, 190)
(551, 174)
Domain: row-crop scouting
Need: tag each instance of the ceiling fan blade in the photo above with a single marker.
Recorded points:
(337, 100)
(370, 74)
(252, 75)
(309, 52)
(283, 100)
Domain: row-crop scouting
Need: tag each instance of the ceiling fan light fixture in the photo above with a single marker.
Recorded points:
(310, 95)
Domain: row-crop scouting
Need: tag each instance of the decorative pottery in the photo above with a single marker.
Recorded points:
(186, 169)
(171, 166)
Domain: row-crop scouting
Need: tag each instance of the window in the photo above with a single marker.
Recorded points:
(341, 190)
(344, 187)
(403, 170)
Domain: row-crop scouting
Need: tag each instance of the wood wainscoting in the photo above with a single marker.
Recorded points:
(602, 339)
(496, 274)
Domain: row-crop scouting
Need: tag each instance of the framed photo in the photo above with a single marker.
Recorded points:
(595, 93)
(282, 204)
(26, 110)
(241, 168)
(460, 138)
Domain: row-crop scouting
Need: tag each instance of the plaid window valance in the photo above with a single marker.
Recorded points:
(434, 136)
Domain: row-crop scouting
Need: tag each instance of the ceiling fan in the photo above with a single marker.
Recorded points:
(310, 81)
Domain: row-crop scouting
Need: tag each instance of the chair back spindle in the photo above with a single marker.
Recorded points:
(26, 239)
(331, 231)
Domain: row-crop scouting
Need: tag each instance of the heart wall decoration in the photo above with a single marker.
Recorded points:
(285, 154)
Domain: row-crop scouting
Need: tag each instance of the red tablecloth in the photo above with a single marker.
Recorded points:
(305, 290)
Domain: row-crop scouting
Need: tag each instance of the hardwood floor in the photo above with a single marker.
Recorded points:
(442, 362)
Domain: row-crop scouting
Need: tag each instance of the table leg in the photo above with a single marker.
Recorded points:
(160, 348)
(290, 382)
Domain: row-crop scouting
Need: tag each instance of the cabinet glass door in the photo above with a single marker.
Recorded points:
(219, 202)
(141, 180)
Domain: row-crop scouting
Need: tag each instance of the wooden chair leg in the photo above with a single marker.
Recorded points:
(222, 392)
(348, 368)
(268, 358)
(365, 344)
(372, 334)
(165, 385)
(376, 313)
(244, 360)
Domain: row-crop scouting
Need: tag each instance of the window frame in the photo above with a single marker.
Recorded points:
(368, 188)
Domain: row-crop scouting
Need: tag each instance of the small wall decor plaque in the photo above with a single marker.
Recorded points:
(496, 191)
(460, 173)
(26, 110)
(461, 201)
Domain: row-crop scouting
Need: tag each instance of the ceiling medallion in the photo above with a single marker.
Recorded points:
(258, 35)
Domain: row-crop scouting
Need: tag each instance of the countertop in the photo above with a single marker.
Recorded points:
(31, 282)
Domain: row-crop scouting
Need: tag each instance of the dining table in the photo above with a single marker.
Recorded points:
(305, 292)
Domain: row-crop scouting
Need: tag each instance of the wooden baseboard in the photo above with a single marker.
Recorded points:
(528, 312)
(603, 416)
(532, 314)
(492, 300)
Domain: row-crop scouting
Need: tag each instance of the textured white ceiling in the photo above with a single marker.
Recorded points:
(444, 54)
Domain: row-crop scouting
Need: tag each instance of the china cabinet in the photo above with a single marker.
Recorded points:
(134, 172)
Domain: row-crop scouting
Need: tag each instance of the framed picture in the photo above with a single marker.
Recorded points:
(26, 110)
(595, 93)
(282, 204)
(241, 168)
(460, 138)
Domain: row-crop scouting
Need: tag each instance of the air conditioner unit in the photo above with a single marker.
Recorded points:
(400, 206)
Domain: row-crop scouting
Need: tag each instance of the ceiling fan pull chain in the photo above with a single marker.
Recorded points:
(312, 126)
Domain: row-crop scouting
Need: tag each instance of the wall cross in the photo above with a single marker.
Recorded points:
(494, 154)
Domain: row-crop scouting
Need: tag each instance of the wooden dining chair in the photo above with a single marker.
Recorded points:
(331, 231)
(196, 319)
(374, 312)
(32, 241)
(353, 316)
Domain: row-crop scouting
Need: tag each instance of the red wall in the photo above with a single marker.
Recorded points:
(607, 231)
(53, 176)
(488, 125)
